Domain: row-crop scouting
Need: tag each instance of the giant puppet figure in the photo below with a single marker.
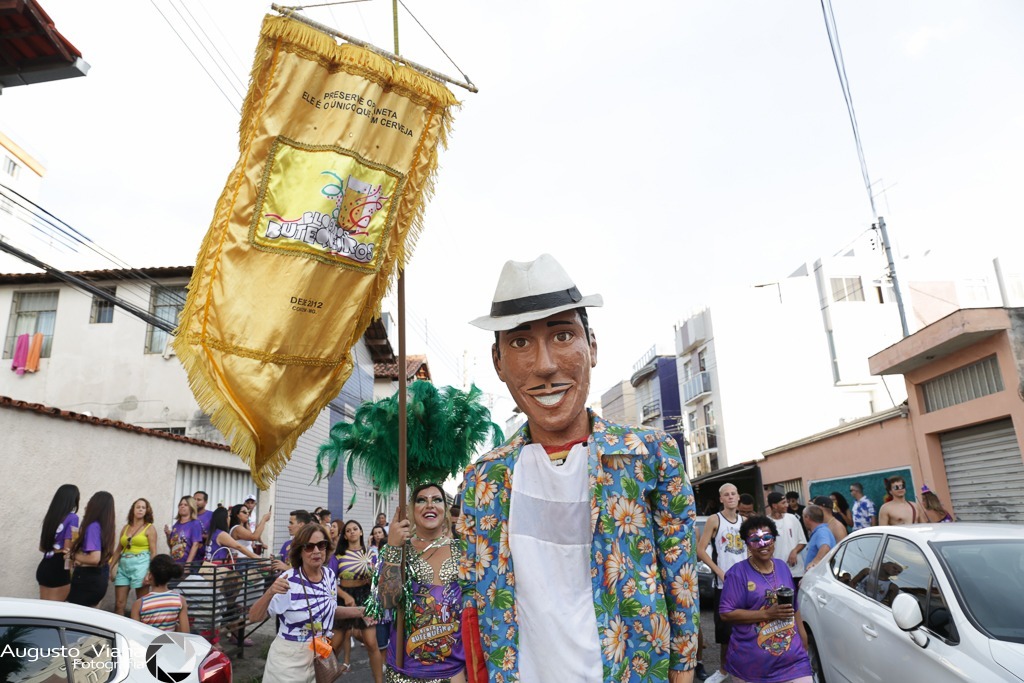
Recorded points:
(580, 554)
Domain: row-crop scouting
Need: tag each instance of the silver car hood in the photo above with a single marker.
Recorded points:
(1010, 656)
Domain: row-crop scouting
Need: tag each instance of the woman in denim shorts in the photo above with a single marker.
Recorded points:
(131, 559)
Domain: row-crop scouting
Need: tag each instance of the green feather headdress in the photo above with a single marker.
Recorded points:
(445, 429)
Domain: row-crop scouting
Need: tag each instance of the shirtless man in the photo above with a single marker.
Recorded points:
(899, 510)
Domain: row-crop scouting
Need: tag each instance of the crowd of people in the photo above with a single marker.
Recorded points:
(574, 556)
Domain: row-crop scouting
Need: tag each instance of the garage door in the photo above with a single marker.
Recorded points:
(224, 486)
(985, 473)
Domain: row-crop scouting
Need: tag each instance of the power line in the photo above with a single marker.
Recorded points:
(837, 58)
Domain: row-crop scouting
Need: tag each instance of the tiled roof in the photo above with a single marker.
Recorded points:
(49, 411)
(415, 366)
(32, 50)
(99, 275)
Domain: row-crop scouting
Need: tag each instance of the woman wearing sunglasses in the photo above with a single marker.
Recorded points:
(433, 611)
(304, 600)
(759, 600)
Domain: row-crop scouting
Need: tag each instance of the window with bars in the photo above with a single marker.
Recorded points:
(102, 310)
(962, 385)
(31, 313)
(847, 289)
(166, 304)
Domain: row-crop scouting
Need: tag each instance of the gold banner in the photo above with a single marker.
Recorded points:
(338, 147)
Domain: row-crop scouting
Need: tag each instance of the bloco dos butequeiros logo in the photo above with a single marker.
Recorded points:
(171, 658)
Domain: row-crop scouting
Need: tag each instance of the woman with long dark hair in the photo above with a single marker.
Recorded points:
(379, 539)
(91, 551)
(131, 561)
(239, 527)
(841, 509)
(59, 525)
(355, 570)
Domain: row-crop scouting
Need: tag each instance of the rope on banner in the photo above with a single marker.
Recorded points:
(436, 75)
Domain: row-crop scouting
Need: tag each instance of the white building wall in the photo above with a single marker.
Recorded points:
(41, 453)
(102, 368)
(295, 488)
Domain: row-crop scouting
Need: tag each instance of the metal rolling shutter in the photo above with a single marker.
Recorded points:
(223, 485)
(985, 473)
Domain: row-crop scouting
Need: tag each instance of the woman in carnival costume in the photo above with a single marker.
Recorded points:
(430, 594)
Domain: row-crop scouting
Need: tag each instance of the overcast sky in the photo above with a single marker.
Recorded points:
(660, 150)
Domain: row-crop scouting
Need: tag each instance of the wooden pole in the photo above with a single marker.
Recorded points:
(402, 412)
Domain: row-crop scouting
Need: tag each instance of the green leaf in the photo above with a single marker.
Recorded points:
(497, 473)
(649, 474)
(631, 488)
(503, 599)
(629, 607)
(634, 550)
(498, 656)
(608, 603)
(659, 672)
(668, 542)
(678, 504)
(608, 523)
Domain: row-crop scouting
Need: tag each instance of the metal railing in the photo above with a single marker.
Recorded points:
(651, 410)
(219, 597)
(702, 439)
(696, 386)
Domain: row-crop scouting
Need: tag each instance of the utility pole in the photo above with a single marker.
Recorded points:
(891, 268)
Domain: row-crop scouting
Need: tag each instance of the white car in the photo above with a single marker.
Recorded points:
(42, 640)
(928, 602)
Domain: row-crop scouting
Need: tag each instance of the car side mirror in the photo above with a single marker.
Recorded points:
(906, 611)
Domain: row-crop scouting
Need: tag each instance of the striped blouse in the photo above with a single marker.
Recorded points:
(161, 609)
(299, 620)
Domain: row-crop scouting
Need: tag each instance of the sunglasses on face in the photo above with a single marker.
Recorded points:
(319, 545)
(898, 487)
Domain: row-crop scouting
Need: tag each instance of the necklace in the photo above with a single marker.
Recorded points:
(431, 544)
(770, 581)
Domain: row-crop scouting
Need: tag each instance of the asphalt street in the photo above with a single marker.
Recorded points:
(250, 668)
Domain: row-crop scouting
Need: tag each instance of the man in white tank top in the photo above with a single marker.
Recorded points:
(568, 559)
(722, 529)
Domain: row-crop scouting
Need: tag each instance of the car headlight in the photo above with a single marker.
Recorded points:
(703, 568)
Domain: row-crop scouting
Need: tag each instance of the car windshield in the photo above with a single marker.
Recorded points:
(989, 575)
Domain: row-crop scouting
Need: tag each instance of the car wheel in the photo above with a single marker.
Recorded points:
(812, 654)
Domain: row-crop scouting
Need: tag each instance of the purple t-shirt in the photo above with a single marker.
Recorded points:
(286, 548)
(204, 519)
(63, 532)
(92, 539)
(183, 535)
(768, 651)
(434, 646)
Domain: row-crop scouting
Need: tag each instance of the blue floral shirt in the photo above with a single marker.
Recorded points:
(643, 557)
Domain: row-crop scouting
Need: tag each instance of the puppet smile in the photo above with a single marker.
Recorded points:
(550, 399)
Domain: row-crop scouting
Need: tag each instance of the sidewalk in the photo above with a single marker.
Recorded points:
(250, 668)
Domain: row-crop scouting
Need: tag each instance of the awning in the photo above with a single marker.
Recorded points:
(727, 474)
(31, 48)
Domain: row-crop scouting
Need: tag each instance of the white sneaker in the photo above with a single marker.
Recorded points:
(716, 677)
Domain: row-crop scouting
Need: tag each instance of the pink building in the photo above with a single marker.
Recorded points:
(961, 431)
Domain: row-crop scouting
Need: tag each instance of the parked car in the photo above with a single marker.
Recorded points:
(705, 577)
(936, 603)
(49, 639)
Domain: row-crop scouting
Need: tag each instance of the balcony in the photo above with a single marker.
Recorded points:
(651, 410)
(696, 386)
(701, 440)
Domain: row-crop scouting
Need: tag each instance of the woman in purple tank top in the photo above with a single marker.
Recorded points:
(432, 643)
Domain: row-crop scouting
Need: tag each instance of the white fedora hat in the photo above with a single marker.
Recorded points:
(532, 290)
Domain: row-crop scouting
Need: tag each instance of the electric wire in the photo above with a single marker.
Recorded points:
(229, 73)
(837, 57)
(227, 97)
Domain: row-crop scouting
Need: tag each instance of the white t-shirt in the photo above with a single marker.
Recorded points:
(791, 534)
(550, 534)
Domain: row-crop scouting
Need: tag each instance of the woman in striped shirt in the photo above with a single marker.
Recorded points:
(162, 607)
(304, 600)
